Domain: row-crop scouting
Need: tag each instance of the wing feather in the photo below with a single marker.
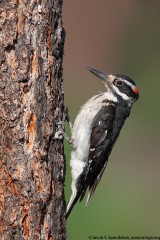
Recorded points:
(100, 148)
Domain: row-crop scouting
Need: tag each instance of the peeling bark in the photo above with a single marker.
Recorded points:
(32, 165)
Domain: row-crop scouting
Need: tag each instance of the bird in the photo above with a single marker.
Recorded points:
(95, 131)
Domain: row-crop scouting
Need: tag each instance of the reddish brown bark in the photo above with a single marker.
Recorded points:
(32, 165)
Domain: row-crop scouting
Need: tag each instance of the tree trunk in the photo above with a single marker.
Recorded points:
(32, 165)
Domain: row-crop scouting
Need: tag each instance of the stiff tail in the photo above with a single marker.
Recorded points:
(80, 194)
(74, 198)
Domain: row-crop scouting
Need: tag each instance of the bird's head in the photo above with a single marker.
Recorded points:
(120, 85)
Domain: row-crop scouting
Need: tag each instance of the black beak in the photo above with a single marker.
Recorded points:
(98, 74)
(103, 76)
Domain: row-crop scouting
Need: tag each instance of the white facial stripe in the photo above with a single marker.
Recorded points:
(129, 84)
(123, 95)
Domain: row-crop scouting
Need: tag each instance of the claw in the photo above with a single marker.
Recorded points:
(67, 118)
(59, 135)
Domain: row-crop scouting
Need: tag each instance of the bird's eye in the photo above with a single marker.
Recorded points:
(118, 82)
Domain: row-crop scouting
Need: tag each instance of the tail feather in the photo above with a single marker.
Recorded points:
(81, 193)
(74, 198)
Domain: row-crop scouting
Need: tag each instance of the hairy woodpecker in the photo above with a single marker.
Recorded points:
(95, 131)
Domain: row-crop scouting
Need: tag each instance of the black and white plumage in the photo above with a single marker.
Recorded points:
(95, 131)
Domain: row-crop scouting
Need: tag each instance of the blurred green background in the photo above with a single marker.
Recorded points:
(117, 36)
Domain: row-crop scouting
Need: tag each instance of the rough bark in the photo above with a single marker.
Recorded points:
(32, 165)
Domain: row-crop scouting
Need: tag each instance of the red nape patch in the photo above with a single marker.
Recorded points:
(136, 91)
